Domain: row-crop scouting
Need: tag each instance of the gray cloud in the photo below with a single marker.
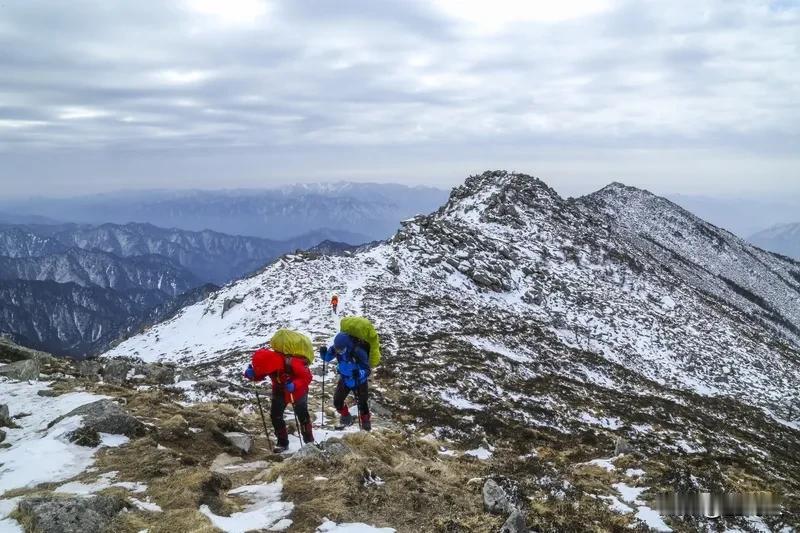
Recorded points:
(130, 94)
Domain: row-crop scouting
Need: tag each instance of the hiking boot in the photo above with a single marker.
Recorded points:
(308, 434)
(344, 421)
(280, 448)
(366, 425)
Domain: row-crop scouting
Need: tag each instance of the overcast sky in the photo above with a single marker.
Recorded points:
(696, 96)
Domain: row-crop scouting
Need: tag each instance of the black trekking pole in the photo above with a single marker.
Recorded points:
(297, 421)
(322, 409)
(263, 420)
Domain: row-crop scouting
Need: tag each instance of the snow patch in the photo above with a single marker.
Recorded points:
(266, 510)
(38, 454)
(332, 527)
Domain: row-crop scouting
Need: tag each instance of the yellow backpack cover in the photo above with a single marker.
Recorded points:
(290, 342)
(362, 329)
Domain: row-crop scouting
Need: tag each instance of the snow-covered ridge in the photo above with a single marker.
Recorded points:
(508, 261)
(709, 258)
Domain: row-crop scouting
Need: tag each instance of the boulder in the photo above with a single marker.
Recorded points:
(157, 374)
(103, 416)
(622, 446)
(209, 385)
(393, 266)
(515, 523)
(308, 451)
(47, 393)
(88, 368)
(48, 514)
(2, 435)
(116, 371)
(239, 440)
(230, 303)
(22, 370)
(495, 499)
(334, 448)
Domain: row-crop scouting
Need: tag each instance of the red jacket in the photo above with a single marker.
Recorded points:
(282, 369)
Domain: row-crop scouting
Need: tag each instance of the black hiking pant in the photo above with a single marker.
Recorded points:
(361, 393)
(278, 408)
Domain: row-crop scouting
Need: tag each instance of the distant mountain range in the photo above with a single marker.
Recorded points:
(350, 212)
(783, 239)
(742, 216)
(73, 289)
(196, 257)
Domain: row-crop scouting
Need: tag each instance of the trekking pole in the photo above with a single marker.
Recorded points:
(322, 409)
(263, 420)
(296, 421)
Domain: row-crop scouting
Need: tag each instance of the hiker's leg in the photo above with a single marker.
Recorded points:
(363, 406)
(301, 410)
(339, 397)
(276, 411)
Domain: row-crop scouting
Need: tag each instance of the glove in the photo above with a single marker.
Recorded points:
(290, 387)
(362, 374)
(250, 373)
(322, 351)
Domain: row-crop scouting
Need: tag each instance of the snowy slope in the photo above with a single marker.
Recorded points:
(501, 289)
(709, 258)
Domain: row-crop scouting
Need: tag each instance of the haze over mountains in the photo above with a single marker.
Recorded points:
(782, 239)
(350, 212)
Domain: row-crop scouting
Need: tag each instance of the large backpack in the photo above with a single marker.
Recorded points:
(363, 330)
(292, 343)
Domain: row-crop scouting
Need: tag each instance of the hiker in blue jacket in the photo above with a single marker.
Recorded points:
(354, 371)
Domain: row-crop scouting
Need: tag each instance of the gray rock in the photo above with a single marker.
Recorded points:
(5, 416)
(2, 435)
(495, 499)
(516, 523)
(47, 393)
(103, 416)
(158, 374)
(22, 370)
(393, 266)
(71, 515)
(334, 449)
(116, 371)
(89, 368)
(242, 441)
(622, 446)
(230, 303)
(308, 451)
(209, 385)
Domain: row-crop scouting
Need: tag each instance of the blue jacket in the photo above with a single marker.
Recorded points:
(352, 359)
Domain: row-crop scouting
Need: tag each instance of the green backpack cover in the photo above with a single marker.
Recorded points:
(290, 342)
(362, 329)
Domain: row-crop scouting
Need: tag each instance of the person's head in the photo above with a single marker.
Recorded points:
(342, 343)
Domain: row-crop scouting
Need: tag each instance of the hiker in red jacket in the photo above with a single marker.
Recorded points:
(335, 302)
(290, 380)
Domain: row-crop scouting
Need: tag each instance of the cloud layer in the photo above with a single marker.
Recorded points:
(137, 92)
